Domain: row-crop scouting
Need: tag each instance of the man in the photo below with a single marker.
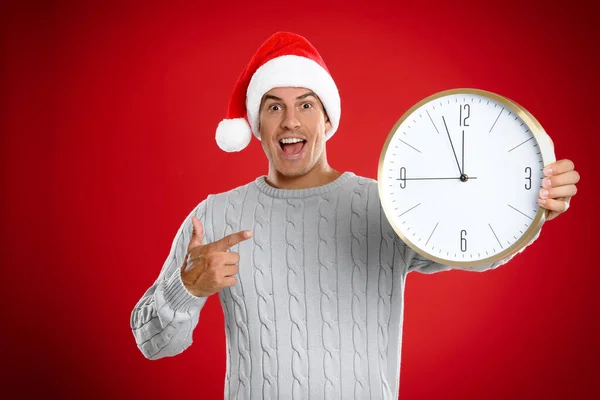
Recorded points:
(314, 309)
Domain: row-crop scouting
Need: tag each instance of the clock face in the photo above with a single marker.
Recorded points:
(460, 175)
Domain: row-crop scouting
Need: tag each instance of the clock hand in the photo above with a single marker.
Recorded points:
(449, 138)
(463, 151)
(434, 179)
(462, 178)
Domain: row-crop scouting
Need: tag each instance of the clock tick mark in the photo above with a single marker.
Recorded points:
(436, 225)
(521, 144)
(496, 119)
(431, 119)
(521, 212)
(410, 146)
(495, 235)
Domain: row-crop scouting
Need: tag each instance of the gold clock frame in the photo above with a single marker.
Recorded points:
(547, 152)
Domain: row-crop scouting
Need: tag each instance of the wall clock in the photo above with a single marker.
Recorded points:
(459, 176)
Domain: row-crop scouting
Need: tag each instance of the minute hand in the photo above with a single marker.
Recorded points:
(453, 151)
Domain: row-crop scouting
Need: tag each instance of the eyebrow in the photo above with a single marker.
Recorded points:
(305, 95)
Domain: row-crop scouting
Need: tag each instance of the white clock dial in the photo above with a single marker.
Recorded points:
(460, 175)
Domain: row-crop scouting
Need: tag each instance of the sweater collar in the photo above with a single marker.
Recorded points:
(263, 186)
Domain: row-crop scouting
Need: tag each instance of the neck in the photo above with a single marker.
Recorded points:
(321, 174)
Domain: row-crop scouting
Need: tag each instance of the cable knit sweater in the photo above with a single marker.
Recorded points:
(317, 311)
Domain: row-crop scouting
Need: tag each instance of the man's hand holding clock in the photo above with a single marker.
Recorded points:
(558, 187)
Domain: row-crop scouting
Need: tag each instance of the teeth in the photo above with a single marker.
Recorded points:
(291, 140)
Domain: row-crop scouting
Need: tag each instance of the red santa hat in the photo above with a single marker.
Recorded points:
(284, 60)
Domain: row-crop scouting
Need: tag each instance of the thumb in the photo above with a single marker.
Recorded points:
(197, 233)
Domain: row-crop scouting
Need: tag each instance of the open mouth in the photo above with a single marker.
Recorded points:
(292, 146)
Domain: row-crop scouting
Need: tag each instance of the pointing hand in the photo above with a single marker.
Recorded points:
(208, 268)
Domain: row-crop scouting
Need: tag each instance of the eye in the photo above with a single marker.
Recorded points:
(274, 107)
(306, 106)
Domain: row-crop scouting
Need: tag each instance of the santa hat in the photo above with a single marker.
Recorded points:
(284, 60)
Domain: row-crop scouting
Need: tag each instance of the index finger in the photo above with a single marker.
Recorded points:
(559, 167)
(231, 240)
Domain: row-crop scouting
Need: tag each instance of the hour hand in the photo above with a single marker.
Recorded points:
(436, 179)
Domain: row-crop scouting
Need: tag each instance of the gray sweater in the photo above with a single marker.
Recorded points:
(318, 307)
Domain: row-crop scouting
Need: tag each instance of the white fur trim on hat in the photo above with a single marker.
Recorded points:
(233, 134)
(293, 71)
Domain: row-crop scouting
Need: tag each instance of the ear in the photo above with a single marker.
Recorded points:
(327, 123)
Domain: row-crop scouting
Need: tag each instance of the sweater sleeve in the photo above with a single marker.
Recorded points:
(418, 263)
(164, 318)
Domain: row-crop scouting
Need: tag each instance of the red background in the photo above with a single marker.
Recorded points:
(108, 115)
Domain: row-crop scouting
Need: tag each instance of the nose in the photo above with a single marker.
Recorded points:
(290, 120)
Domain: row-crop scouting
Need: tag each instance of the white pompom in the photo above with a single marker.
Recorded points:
(233, 134)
